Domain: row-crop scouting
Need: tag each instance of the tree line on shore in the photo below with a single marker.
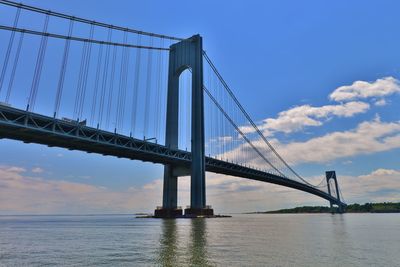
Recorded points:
(384, 207)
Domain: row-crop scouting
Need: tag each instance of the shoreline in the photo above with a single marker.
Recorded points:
(382, 207)
(273, 212)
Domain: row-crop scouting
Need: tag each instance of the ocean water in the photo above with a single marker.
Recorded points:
(243, 240)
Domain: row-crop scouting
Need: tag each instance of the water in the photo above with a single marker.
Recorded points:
(243, 240)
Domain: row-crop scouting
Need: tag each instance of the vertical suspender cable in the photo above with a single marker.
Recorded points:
(136, 86)
(164, 85)
(85, 73)
(210, 115)
(231, 133)
(223, 125)
(96, 83)
(80, 80)
(10, 44)
(148, 90)
(63, 70)
(166, 78)
(105, 78)
(121, 73)
(215, 119)
(227, 130)
(38, 68)
(125, 85)
(122, 85)
(158, 92)
(220, 123)
(14, 69)
(111, 89)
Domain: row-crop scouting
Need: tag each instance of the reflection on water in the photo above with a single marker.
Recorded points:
(185, 247)
(168, 243)
(198, 246)
(244, 240)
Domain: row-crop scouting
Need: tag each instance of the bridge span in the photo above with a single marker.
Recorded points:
(30, 127)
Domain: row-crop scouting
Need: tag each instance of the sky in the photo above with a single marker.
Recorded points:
(321, 80)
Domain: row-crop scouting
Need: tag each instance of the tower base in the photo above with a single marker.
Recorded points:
(199, 212)
(168, 212)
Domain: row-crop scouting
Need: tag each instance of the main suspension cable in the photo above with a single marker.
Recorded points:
(79, 39)
(86, 21)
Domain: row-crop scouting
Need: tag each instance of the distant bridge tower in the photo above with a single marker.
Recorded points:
(329, 176)
(187, 54)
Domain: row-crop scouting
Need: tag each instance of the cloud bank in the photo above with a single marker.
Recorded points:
(297, 118)
(349, 97)
(362, 89)
(367, 138)
(22, 194)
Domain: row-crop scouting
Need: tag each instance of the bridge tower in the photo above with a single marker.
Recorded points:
(331, 175)
(187, 54)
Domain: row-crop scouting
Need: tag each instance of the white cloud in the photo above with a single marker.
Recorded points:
(380, 102)
(384, 172)
(297, 118)
(37, 170)
(22, 194)
(378, 186)
(300, 117)
(362, 89)
(367, 138)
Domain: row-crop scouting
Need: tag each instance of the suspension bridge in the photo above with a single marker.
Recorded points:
(85, 85)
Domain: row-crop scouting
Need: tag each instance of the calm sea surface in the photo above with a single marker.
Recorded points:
(243, 240)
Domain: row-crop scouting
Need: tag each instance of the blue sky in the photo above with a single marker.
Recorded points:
(287, 61)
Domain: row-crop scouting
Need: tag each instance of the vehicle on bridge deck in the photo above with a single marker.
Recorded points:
(81, 123)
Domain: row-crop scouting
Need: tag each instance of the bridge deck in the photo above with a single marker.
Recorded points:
(34, 128)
